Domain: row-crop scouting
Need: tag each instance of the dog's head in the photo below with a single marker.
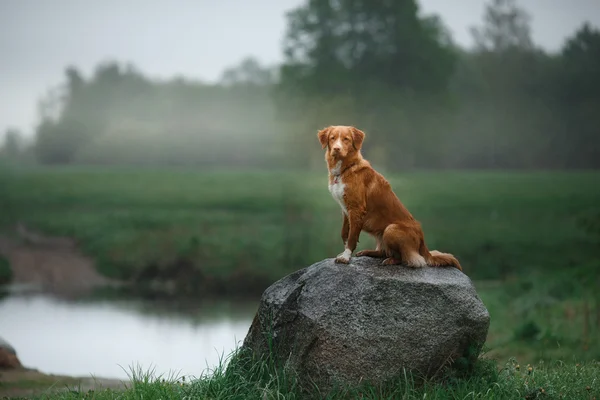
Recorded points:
(341, 141)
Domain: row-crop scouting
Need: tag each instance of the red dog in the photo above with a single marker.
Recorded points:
(368, 203)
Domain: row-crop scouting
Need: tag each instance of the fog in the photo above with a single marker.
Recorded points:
(180, 53)
(160, 166)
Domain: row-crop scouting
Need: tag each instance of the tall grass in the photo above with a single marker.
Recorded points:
(524, 238)
(262, 380)
(527, 239)
(261, 225)
(537, 319)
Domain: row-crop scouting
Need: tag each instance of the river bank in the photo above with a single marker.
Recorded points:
(557, 380)
(57, 265)
(111, 339)
(50, 263)
(177, 233)
(30, 382)
(17, 380)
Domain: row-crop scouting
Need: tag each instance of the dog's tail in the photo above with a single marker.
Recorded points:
(436, 258)
(439, 259)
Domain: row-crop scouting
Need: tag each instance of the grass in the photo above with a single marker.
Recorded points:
(528, 240)
(37, 383)
(262, 380)
(533, 320)
(267, 224)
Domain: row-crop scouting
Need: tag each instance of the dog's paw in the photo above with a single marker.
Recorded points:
(362, 253)
(391, 261)
(344, 258)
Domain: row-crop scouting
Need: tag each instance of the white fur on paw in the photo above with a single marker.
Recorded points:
(416, 261)
(344, 257)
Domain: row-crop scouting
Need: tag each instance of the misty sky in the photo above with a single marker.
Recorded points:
(195, 38)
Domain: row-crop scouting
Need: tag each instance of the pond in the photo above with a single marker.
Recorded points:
(107, 338)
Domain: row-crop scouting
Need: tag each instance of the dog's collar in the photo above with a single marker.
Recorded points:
(336, 177)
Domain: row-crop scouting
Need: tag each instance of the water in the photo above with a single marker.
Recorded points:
(107, 338)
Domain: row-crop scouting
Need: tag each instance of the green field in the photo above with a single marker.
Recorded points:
(557, 380)
(528, 240)
(498, 224)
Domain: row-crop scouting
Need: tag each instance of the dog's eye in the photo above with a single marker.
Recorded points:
(346, 139)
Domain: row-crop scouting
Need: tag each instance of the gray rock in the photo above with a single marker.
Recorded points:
(344, 324)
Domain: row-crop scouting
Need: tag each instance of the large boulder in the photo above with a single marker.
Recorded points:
(341, 324)
(8, 356)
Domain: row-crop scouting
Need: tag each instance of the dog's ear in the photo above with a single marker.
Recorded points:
(322, 135)
(357, 138)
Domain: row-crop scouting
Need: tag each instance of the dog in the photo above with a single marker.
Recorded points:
(369, 204)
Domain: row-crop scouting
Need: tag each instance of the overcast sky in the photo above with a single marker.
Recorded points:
(195, 38)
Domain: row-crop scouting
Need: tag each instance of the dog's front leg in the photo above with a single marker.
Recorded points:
(355, 222)
(345, 229)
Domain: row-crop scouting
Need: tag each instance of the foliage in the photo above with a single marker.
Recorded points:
(118, 116)
(5, 271)
(13, 144)
(527, 331)
(212, 229)
(248, 73)
(346, 46)
(384, 66)
(506, 26)
(545, 316)
(263, 381)
(507, 106)
(368, 64)
(579, 91)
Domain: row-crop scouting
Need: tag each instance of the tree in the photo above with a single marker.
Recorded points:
(503, 91)
(75, 82)
(505, 26)
(581, 63)
(13, 144)
(580, 96)
(248, 72)
(61, 132)
(117, 115)
(375, 64)
(59, 143)
(347, 45)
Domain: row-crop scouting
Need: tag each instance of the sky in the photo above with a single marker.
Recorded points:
(194, 38)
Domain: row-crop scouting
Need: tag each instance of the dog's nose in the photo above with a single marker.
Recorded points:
(336, 149)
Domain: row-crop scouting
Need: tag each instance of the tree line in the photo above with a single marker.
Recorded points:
(424, 101)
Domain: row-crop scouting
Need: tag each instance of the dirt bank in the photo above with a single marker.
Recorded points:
(27, 382)
(53, 264)
(56, 265)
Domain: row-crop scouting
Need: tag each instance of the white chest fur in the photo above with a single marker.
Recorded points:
(336, 188)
